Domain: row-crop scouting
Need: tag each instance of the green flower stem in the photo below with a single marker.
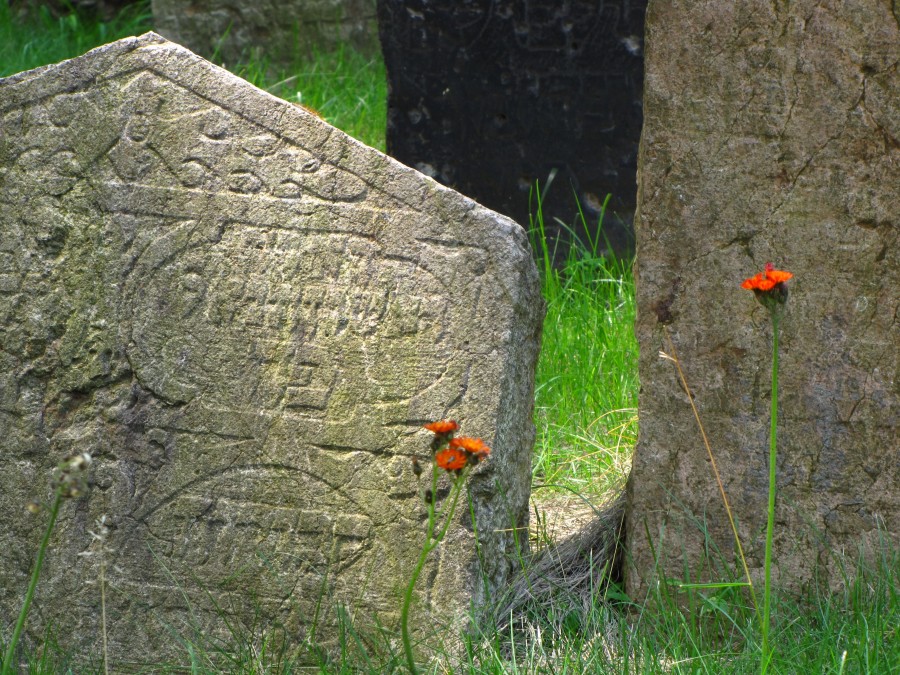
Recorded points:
(770, 522)
(36, 573)
(431, 542)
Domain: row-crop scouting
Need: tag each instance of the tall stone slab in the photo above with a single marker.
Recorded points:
(278, 31)
(491, 96)
(771, 133)
(244, 316)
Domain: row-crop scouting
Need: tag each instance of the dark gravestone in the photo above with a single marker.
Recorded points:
(489, 96)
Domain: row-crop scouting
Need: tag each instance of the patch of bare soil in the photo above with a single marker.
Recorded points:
(558, 516)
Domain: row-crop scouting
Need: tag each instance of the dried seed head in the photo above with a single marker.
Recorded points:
(71, 476)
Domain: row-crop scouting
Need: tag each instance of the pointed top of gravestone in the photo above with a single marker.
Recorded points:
(245, 316)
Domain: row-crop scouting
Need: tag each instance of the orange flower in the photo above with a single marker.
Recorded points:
(473, 446)
(442, 427)
(767, 280)
(768, 287)
(451, 459)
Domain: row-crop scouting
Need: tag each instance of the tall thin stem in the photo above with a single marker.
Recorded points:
(712, 460)
(770, 522)
(103, 605)
(417, 570)
(35, 575)
(408, 596)
(431, 542)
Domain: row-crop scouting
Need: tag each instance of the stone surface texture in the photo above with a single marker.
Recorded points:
(278, 31)
(491, 96)
(772, 133)
(244, 316)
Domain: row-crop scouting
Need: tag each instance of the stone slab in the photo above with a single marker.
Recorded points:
(771, 133)
(491, 96)
(244, 316)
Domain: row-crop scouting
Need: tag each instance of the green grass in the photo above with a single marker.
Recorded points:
(854, 631)
(586, 383)
(585, 412)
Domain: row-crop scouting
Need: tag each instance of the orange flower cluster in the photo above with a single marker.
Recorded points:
(459, 452)
(462, 451)
(475, 448)
(442, 430)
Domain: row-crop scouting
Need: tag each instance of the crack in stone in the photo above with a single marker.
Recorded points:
(793, 180)
(870, 117)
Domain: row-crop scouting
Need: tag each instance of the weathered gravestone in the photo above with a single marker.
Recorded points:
(489, 96)
(772, 133)
(277, 31)
(245, 316)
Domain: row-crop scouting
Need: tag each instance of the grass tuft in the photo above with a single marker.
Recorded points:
(586, 382)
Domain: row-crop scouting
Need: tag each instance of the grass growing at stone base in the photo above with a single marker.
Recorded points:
(852, 631)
